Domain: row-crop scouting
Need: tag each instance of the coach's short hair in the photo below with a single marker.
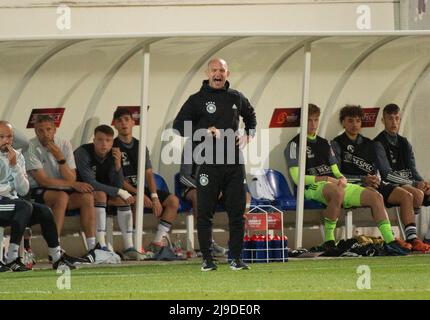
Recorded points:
(104, 129)
(391, 108)
(122, 112)
(44, 118)
(314, 110)
(351, 111)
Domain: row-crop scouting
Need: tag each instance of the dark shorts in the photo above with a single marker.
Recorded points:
(385, 189)
(37, 194)
(426, 201)
(162, 195)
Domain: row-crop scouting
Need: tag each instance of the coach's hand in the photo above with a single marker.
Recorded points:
(242, 141)
(214, 132)
(55, 150)
(11, 155)
(82, 187)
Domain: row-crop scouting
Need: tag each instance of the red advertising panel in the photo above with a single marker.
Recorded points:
(54, 113)
(285, 118)
(370, 116)
(135, 112)
(257, 221)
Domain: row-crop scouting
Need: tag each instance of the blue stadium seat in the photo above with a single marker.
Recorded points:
(284, 199)
(160, 182)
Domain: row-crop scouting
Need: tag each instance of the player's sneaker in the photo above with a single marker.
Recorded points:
(133, 254)
(418, 245)
(73, 260)
(4, 268)
(218, 251)
(64, 262)
(90, 256)
(17, 265)
(208, 265)
(404, 244)
(426, 241)
(238, 264)
(395, 249)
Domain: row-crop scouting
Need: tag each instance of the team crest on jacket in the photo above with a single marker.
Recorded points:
(204, 180)
(350, 148)
(210, 107)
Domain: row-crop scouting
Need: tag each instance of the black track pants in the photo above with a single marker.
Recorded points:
(211, 180)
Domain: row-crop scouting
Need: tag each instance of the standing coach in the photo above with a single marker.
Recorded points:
(214, 114)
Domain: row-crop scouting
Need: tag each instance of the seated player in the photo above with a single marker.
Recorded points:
(19, 213)
(52, 169)
(357, 160)
(163, 204)
(99, 165)
(189, 193)
(396, 161)
(326, 184)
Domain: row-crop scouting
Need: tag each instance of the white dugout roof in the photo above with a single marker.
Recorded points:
(93, 74)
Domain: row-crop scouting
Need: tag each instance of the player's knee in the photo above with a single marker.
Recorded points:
(100, 196)
(377, 198)
(87, 199)
(61, 199)
(418, 198)
(172, 202)
(25, 208)
(338, 194)
(407, 197)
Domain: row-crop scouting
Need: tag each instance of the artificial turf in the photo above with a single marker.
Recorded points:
(391, 278)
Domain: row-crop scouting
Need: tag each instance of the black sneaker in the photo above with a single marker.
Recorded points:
(73, 260)
(63, 262)
(90, 257)
(208, 265)
(395, 249)
(238, 264)
(4, 268)
(17, 265)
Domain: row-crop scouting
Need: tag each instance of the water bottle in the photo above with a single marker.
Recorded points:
(246, 252)
(260, 249)
(254, 239)
(276, 245)
(27, 239)
(28, 259)
(178, 247)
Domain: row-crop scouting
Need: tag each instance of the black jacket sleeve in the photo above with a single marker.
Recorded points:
(184, 116)
(248, 114)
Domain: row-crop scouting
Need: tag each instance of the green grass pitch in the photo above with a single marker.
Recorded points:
(391, 278)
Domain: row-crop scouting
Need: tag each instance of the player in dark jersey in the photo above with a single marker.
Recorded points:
(99, 164)
(357, 159)
(163, 204)
(397, 160)
(326, 184)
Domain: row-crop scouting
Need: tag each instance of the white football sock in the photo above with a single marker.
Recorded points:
(101, 223)
(125, 222)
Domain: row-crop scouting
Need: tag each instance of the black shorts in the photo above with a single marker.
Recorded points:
(162, 195)
(426, 201)
(37, 194)
(385, 189)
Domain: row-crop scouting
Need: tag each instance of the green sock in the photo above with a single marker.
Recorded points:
(329, 227)
(385, 227)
